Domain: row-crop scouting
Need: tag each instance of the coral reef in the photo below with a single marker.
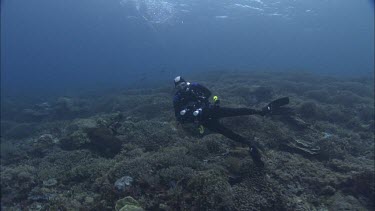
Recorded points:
(101, 151)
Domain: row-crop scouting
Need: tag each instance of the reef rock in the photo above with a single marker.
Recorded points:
(50, 183)
(340, 201)
(303, 146)
(104, 142)
(123, 182)
(128, 204)
(75, 140)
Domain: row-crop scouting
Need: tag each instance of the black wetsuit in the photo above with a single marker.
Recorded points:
(192, 97)
(212, 116)
(195, 96)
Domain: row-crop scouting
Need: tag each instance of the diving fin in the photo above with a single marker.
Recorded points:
(279, 102)
(273, 108)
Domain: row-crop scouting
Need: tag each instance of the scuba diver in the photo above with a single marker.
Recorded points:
(191, 105)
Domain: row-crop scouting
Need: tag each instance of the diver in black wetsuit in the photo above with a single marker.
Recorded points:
(191, 105)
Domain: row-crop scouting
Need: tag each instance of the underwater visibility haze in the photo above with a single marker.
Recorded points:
(59, 45)
(93, 118)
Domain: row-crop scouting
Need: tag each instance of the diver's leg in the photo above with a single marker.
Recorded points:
(219, 112)
(215, 126)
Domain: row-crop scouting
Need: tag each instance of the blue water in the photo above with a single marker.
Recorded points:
(50, 46)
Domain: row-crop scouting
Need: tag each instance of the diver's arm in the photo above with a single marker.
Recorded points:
(177, 107)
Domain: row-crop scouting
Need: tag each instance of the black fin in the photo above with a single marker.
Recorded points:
(279, 102)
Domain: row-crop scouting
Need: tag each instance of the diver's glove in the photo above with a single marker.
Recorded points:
(255, 155)
(216, 101)
(274, 107)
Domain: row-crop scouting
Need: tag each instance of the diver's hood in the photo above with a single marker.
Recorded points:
(178, 80)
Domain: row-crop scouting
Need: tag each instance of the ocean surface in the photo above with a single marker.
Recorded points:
(63, 46)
